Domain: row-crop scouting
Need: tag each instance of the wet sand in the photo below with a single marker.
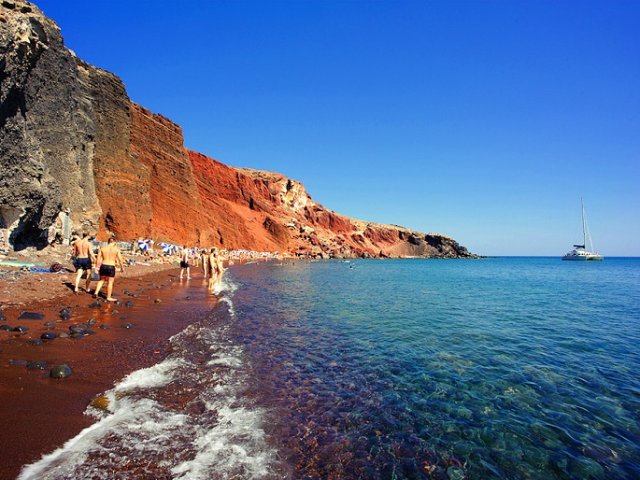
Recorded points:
(40, 413)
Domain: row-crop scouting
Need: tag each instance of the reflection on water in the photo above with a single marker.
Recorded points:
(499, 368)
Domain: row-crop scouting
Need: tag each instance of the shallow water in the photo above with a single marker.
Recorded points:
(495, 368)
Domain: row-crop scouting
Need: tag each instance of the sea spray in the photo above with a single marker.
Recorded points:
(184, 417)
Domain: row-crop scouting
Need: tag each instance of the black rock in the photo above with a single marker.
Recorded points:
(127, 325)
(105, 326)
(91, 322)
(37, 365)
(31, 316)
(65, 313)
(95, 304)
(49, 336)
(20, 328)
(60, 371)
(78, 328)
(36, 342)
(6, 328)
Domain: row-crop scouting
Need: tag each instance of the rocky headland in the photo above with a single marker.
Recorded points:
(76, 153)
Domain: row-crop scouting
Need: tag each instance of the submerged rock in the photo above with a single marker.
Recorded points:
(95, 304)
(49, 336)
(101, 402)
(91, 322)
(31, 316)
(6, 328)
(20, 329)
(50, 324)
(37, 365)
(60, 371)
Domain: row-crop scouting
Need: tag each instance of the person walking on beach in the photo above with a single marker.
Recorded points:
(108, 257)
(205, 262)
(216, 267)
(184, 263)
(83, 258)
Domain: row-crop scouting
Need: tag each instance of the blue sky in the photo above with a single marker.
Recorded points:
(486, 121)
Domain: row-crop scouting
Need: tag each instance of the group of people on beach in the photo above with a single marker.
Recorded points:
(212, 264)
(109, 256)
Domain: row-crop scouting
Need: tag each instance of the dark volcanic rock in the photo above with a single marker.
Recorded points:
(37, 365)
(20, 328)
(81, 328)
(6, 328)
(49, 336)
(65, 313)
(60, 371)
(31, 316)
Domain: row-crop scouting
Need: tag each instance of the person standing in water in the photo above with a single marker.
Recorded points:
(216, 268)
(83, 258)
(184, 263)
(108, 257)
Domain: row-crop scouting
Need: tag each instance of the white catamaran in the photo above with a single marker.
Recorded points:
(580, 252)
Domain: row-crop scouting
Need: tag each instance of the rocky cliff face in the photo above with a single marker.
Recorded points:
(75, 149)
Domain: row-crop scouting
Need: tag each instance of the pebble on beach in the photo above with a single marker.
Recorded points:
(49, 336)
(31, 316)
(60, 371)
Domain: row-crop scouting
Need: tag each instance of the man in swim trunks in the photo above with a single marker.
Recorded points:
(83, 254)
(108, 257)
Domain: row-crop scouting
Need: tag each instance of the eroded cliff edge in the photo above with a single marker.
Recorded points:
(76, 153)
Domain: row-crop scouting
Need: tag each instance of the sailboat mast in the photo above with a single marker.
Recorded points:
(584, 227)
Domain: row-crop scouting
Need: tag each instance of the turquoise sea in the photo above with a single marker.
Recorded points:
(492, 368)
(498, 368)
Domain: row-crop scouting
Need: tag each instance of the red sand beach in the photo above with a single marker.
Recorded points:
(40, 413)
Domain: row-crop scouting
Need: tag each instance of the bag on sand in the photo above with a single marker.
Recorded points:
(56, 267)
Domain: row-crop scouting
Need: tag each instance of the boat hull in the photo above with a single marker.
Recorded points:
(583, 258)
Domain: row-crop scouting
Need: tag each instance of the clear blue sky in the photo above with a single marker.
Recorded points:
(486, 121)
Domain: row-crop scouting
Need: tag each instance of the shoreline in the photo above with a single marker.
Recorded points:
(41, 413)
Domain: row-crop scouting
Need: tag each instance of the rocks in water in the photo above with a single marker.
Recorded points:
(60, 371)
(37, 365)
(127, 325)
(65, 313)
(31, 316)
(96, 304)
(91, 322)
(50, 324)
(6, 328)
(20, 329)
(49, 336)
